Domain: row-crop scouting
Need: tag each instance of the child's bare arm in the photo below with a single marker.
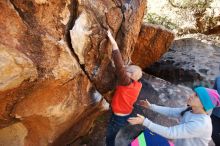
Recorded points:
(119, 64)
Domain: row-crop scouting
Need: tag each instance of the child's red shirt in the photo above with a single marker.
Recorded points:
(125, 97)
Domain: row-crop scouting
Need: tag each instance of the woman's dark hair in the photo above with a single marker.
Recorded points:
(186, 110)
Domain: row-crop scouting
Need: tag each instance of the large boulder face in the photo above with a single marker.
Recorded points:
(43, 90)
(153, 42)
(49, 90)
(190, 62)
(88, 36)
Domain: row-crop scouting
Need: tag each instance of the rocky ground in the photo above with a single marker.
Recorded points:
(189, 62)
(208, 39)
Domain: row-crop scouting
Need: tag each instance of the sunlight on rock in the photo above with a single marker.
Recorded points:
(79, 35)
(13, 135)
(15, 68)
(67, 66)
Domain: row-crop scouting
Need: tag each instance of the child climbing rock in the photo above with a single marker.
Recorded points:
(126, 93)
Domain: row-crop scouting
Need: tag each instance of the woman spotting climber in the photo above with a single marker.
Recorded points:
(195, 128)
(126, 93)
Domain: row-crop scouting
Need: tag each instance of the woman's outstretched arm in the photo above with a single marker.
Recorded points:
(167, 111)
(190, 129)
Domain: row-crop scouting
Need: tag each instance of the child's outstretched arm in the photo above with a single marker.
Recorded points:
(119, 64)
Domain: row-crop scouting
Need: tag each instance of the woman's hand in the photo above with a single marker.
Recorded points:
(136, 120)
(112, 40)
(145, 103)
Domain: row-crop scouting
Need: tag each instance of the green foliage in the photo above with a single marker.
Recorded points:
(159, 20)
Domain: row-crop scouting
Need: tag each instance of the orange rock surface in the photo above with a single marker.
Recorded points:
(153, 42)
